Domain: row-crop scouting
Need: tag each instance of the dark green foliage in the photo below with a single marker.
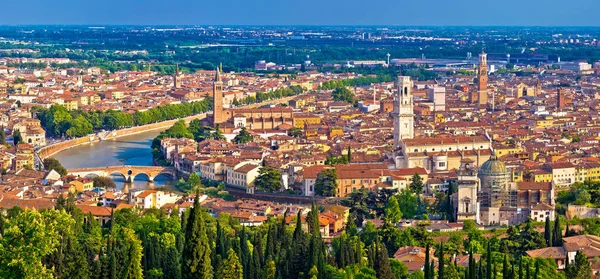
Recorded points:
(382, 263)
(557, 233)
(342, 94)
(17, 138)
(2, 136)
(326, 183)
(196, 254)
(243, 137)
(104, 182)
(416, 184)
(269, 179)
(548, 233)
(580, 269)
(53, 164)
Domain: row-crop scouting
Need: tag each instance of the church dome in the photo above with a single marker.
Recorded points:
(493, 166)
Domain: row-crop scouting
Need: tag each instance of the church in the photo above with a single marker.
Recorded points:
(278, 118)
(433, 154)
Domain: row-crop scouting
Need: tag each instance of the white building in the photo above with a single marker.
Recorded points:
(404, 118)
(437, 95)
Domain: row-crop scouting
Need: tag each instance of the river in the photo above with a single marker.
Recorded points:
(127, 150)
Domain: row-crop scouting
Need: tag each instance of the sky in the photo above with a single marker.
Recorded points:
(303, 12)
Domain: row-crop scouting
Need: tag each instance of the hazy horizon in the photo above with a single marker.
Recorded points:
(533, 13)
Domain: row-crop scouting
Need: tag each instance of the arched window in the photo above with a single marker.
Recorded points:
(405, 91)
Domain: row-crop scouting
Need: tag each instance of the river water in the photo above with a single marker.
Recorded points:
(127, 150)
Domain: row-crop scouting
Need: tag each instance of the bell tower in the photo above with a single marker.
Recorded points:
(403, 111)
(482, 79)
(176, 78)
(218, 115)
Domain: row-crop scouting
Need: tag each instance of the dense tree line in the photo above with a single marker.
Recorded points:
(271, 95)
(65, 243)
(58, 121)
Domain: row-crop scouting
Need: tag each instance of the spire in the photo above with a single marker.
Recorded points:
(218, 75)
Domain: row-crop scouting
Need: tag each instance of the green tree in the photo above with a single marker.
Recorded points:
(79, 127)
(268, 179)
(342, 94)
(382, 264)
(416, 184)
(441, 261)
(548, 232)
(104, 182)
(31, 236)
(580, 269)
(2, 136)
(557, 233)
(582, 197)
(243, 137)
(451, 272)
(53, 164)
(392, 210)
(408, 204)
(196, 254)
(231, 267)
(17, 138)
(326, 183)
(193, 181)
(295, 132)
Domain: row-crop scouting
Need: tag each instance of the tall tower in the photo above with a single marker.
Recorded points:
(404, 117)
(561, 101)
(177, 82)
(482, 79)
(218, 115)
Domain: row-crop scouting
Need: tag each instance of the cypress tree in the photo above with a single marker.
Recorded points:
(495, 272)
(441, 261)
(480, 270)
(358, 255)
(426, 267)
(382, 265)
(2, 136)
(505, 266)
(371, 257)
(231, 267)
(521, 268)
(536, 274)
(548, 232)
(171, 265)
(298, 233)
(472, 264)
(258, 246)
(557, 234)
(255, 269)
(489, 261)
(245, 256)
(313, 221)
(527, 271)
(197, 252)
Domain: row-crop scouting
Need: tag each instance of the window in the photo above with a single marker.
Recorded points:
(442, 164)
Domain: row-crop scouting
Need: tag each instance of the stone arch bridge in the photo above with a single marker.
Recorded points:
(129, 172)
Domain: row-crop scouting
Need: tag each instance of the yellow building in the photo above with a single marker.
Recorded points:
(82, 184)
(541, 176)
(542, 122)
(302, 119)
(333, 132)
(502, 150)
(71, 103)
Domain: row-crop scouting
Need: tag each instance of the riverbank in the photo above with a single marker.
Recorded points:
(53, 149)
